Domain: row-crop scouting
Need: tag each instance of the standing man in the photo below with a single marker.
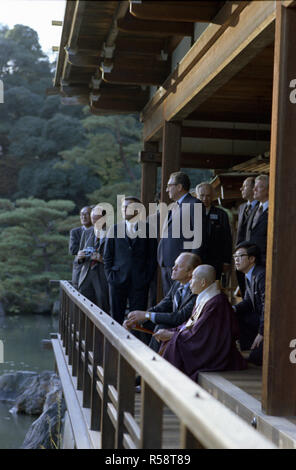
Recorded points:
(170, 245)
(250, 312)
(218, 248)
(130, 262)
(246, 208)
(244, 212)
(257, 223)
(92, 280)
(74, 242)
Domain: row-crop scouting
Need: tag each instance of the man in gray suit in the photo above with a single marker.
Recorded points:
(92, 280)
(257, 224)
(74, 242)
(171, 246)
(244, 212)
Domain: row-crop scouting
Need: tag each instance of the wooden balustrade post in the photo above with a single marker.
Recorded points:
(188, 440)
(86, 377)
(95, 401)
(110, 376)
(81, 332)
(151, 418)
(126, 397)
(74, 344)
(70, 332)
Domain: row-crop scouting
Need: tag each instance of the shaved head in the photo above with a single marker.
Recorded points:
(206, 272)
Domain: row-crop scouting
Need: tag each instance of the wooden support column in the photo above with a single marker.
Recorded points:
(279, 372)
(149, 177)
(171, 154)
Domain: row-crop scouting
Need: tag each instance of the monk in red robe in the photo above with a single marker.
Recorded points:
(207, 341)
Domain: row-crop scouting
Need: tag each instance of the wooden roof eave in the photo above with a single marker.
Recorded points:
(67, 24)
(198, 79)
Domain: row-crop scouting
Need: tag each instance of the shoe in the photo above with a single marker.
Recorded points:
(138, 388)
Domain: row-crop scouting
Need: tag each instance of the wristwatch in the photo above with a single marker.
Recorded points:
(148, 316)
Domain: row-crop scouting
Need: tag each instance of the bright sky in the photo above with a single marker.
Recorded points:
(37, 14)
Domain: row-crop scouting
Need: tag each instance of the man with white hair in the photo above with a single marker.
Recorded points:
(207, 341)
(218, 246)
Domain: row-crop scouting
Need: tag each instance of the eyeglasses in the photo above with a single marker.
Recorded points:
(239, 256)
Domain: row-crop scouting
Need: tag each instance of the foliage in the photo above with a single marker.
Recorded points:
(33, 126)
(111, 153)
(33, 251)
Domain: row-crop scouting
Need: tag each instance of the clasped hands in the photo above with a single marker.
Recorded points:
(137, 317)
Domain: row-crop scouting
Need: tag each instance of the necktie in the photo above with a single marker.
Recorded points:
(178, 297)
(257, 215)
(246, 212)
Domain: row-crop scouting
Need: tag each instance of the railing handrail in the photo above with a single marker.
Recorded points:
(208, 420)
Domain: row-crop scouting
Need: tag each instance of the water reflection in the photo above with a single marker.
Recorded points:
(21, 336)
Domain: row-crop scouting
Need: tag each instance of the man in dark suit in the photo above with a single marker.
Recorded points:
(250, 312)
(176, 307)
(92, 280)
(218, 247)
(74, 242)
(183, 220)
(257, 223)
(130, 261)
(244, 212)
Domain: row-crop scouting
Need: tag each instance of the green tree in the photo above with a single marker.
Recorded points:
(33, 251)
(111, 153)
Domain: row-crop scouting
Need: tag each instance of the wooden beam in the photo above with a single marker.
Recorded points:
(197, 160)
(279, 373)
(237, 46)
(175, 11)
(171, 155)
(132, 25)
(138, 76)
(289, 3)
(144, 45)
(226, 133)
(149, 176)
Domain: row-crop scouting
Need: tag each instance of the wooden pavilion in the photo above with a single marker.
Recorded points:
(214, 83)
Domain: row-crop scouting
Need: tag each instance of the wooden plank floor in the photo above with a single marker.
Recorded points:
(241, 392)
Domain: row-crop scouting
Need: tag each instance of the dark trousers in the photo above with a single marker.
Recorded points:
(120, 295)
(166, 277)
(95, 287)
(248, 331)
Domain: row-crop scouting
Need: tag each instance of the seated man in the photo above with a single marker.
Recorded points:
(250, 312)
(176, 307)
(207, 341)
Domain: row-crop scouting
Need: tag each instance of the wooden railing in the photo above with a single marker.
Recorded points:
(98, 359)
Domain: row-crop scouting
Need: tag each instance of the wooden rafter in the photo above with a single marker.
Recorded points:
(197, 160)
(237, 46)
(132, 25)
(175, 11)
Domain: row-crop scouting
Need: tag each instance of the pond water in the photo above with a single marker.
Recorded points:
(21, 336)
